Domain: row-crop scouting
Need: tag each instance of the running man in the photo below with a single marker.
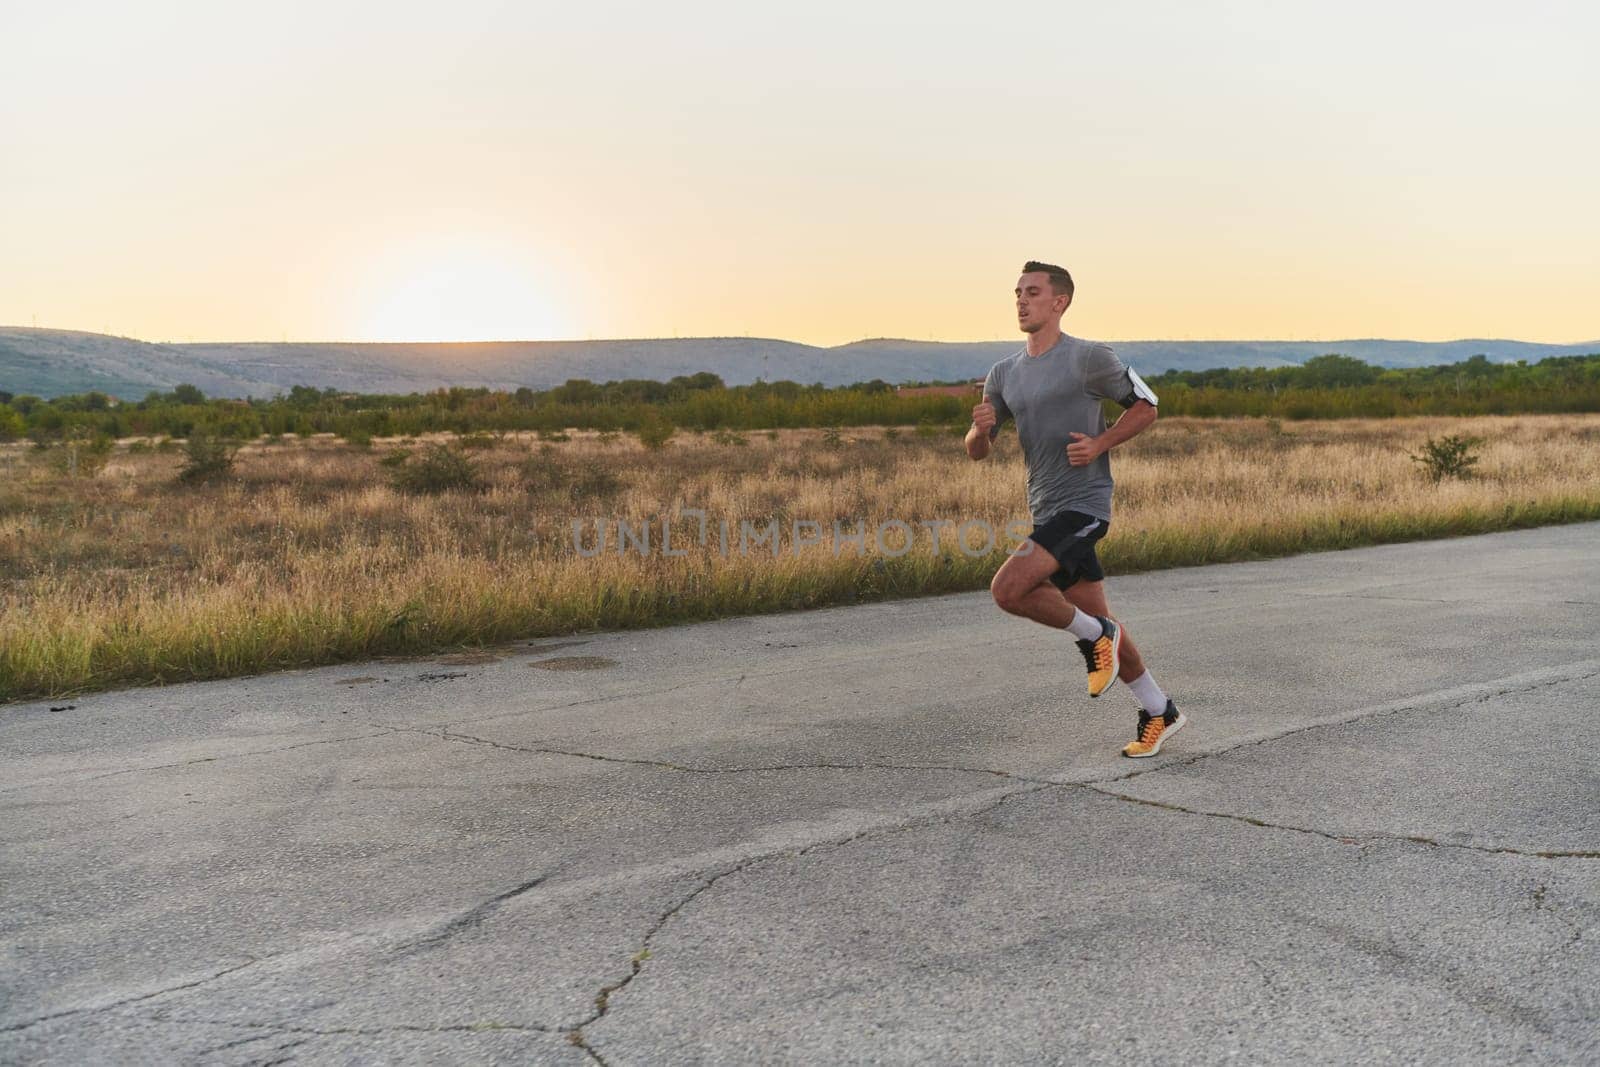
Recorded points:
(1053, 389)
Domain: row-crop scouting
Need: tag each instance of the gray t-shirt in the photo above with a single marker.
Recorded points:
(1051, 395)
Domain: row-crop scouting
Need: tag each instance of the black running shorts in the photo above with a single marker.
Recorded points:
(1070, 537)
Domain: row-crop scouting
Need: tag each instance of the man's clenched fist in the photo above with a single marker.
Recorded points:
(983, 416)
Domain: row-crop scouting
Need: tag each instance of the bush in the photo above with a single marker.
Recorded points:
(597, 482)
(479, 441)
(655, 431)
(832, 438)
(396, 458)
(437, 470)
(209, 458)
(81, 455)
(544, 473)
(1451, 456)
(11, 425)
(549, 473)
(358, 439)
(728, 437)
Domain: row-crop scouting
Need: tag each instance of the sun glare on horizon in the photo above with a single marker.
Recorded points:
(458, 292)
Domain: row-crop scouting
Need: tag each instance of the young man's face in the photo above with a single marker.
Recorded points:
(1037, 304)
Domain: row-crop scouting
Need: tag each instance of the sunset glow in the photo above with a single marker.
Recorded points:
(440, 292)
(825, 172)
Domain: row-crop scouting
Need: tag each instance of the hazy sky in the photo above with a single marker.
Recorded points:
(824, 172)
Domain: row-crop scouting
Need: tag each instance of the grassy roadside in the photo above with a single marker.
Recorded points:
(309, 557)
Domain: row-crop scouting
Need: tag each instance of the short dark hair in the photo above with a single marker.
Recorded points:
(1060, 280)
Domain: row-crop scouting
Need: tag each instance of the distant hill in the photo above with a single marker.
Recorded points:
(55, 362)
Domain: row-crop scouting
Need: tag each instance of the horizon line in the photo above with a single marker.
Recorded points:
(806, 344)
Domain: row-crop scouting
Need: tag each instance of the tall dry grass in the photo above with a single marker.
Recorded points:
(309, 556)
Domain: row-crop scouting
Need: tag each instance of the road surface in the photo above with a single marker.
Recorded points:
(882, 834)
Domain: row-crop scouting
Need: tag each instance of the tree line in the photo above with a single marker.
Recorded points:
(1331, 386)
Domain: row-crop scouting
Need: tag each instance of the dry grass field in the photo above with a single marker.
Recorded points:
(308, 554)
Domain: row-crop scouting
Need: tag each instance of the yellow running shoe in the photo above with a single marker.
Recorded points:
(1103, 656)
(1154, 731)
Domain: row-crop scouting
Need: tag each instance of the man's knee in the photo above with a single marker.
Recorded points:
(1008, 593)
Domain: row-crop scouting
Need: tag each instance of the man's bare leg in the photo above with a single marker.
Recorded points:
(1022, 586)
(1042, 602)
(1159, 718)
(1091, 597)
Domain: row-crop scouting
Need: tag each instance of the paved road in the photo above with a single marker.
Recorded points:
(880, 834)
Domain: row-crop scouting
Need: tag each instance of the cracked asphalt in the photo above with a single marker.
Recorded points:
(883, 834)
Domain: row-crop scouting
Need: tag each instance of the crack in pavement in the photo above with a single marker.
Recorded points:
(241, 1041)
(602, 1000)
(191, 762)
(472, 917)
(99, 1008)
(369, 1031)
(1343, 839)
(637, 961)
(282, 1059)
(1438, 701)
(685, 768)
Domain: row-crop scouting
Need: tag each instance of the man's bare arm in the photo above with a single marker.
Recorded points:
(983, 417)
(1134, 421)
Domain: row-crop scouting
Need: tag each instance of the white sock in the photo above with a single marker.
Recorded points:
(1085, 627)
(1148, 694)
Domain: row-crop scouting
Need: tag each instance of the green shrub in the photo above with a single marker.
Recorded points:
(358, 439)
(208, 458)
(478, 441)
(11, 425)
(655, 431)
(728, 437)
(437, 470)
(395, 457)
(1451, 456)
